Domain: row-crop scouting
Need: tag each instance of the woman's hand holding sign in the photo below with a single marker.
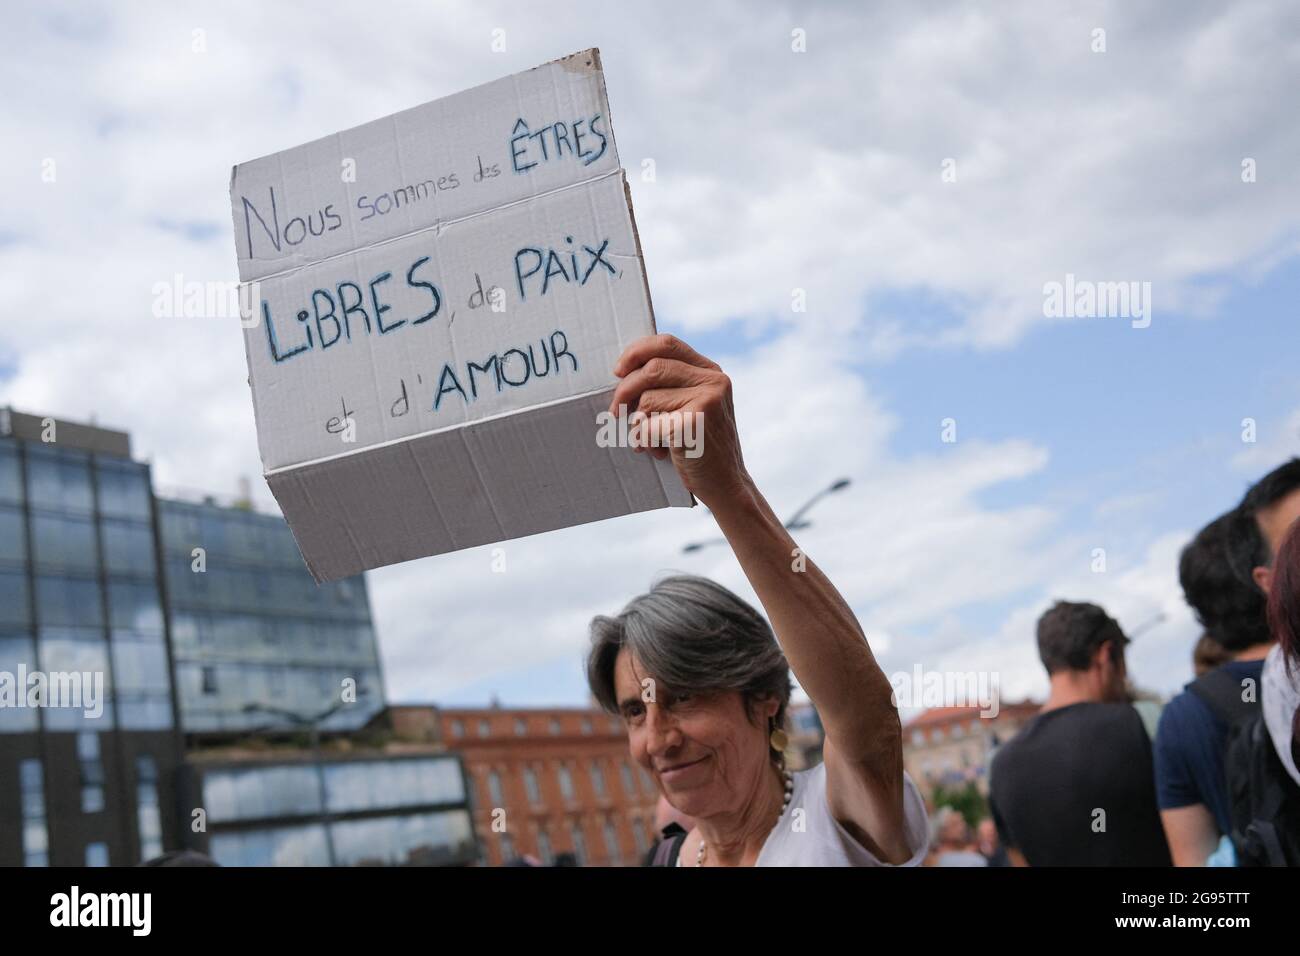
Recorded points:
(680, 395)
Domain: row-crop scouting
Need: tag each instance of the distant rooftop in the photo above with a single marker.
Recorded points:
(92, 438)
(939, 716)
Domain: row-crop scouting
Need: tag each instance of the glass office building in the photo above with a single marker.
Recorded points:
(251, 628)
(391, 811)
(86, 762)
(182, 625)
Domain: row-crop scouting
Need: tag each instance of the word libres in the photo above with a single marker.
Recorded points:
(333, 312)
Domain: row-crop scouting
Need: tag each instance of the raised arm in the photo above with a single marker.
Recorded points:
(665, 378)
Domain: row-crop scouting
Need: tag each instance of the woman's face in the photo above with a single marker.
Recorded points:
(706, 756)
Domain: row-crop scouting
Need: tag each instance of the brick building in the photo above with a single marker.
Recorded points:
(562, 777)
(955, 745)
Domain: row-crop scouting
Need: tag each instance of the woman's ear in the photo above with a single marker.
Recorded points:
(762, 709)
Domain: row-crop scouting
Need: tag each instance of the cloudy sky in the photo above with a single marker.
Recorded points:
(920, 171)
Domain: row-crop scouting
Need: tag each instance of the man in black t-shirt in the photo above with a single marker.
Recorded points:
(1075, 787)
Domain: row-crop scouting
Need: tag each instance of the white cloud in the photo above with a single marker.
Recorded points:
(1145, 598)
(775, 171)
(1274, 442)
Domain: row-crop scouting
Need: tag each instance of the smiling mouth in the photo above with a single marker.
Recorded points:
(681, 766)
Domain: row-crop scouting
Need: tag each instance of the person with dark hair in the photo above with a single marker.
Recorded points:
(986, 835)
(1227, 605)
(669, 823)
(1207, 655)
(1074, 786)
(702, 683)
(1226, 573)
(1260, 522)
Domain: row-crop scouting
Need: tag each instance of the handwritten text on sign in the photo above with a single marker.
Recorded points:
(350, 307)
(528, 150)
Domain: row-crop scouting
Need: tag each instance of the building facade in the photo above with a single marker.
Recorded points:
(547, 782)
(806, 736)
(87, 767)
(193, 635)
(250, 627)
(366, 809)
(954, 746)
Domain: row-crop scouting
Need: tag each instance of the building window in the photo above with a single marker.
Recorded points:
(507, 848)
(639, 835)
(458, 729)
(598, 780)
(96, 854)
(918, 738)
(209, 680)
(147, 812)
(494, 789)
(555, 725)
(521, 727)
(530, 784)
(484, 728)
(544, 847)
(566, 782)
(92, 772)
(11, 481)
(611, 843)
(629, 782)
(586, 725)
(957, 731)
(579, 844)
(936, 735)
(35, 836)
(16, 651)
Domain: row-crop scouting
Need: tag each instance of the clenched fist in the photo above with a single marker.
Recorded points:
(686, 399)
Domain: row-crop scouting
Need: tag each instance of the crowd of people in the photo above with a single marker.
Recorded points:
(1085, 784)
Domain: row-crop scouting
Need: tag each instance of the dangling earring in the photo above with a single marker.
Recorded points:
(777, 738)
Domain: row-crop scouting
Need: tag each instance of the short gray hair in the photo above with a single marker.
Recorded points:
(695, 637)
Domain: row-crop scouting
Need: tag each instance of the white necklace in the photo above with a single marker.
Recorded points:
(789, 793)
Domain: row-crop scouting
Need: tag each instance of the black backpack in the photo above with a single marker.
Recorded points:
(664, 853)
(1264, 800)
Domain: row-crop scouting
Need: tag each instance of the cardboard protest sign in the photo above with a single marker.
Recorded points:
(439, 299)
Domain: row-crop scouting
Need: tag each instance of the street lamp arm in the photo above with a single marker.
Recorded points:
(797, 520)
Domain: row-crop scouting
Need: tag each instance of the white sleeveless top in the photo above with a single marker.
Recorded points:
(814, 837)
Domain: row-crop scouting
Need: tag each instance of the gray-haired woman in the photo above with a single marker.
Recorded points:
(702, 683)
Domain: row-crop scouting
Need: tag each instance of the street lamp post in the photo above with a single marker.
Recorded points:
(798, 521)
